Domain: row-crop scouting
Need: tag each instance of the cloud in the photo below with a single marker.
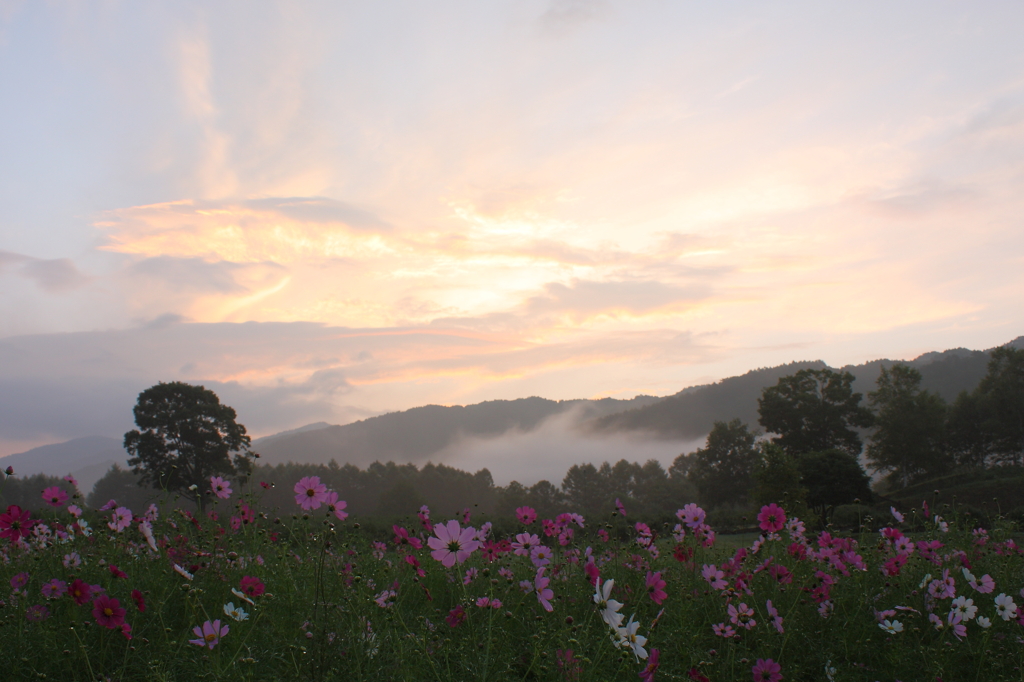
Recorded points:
(54, 276)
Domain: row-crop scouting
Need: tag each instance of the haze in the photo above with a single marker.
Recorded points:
(326, 211)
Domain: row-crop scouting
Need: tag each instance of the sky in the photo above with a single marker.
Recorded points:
(326, 211)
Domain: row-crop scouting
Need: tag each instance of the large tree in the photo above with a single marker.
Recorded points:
(1001, 394)
(722, 471)
(832, 478)
(908, 438)
(185, 435)
(814, 410)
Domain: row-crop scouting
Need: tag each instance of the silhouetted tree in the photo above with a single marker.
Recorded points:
(832, 478)
(1001, 394)
(814, 410)
(123, 486)
(723, 469)
(185, 435)
(908, 438)
(967, 440)
(777, 479)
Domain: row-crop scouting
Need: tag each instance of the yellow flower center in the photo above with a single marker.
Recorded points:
(108, 611)
(210, 637)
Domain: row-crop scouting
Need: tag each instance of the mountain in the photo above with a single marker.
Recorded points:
(87, 459)
(692, 412)
(417, 434)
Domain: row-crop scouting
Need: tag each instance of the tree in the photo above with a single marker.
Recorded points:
(777, 479)
(832, 478)
(185, 435)
(1001, 393)
(908, 439)
(967, 441)
(814, 410)
(722, 470)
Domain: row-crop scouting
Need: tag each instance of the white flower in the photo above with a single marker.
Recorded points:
(896, 515)
(240, 595)
(609, 607)
(925, 580)
(147, 530)
(629, 638)
(966, 607)
(968, 576)
(891, 626)
(236, 613)
(1005, 606)
(830, 671)
(984, 622)
(182, 572)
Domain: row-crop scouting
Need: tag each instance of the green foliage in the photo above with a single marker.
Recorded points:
(777, 479)
(126, 488)
(908, 439)
(27, 492)
(967, 441)
(814, 410)
(644, 489)
(185, 435)
(723, 470)
(832, 478)
(1001, 394)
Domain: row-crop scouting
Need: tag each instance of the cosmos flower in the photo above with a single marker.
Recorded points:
(55, 496)
(209, 634)
(220, 487)
(526, 515)
(766, 670)
(15, 523)
(452, 544)
(608, 606)
(54, 589)
(628, 637)
(692, 515)
(335, 506)
(120, 519)
(310, 493)
(234, 612)
(108, 612)
(772, 518)
(891, 626)
(647, 674)
(544, 593)
(1005, 606)
(656, 587)
(80, 591)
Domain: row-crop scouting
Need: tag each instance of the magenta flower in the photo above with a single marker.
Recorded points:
(647, 674)
(72, 480)
(54, 589)
(220, 487)
(402, 537)
(723, 630)
(37, 613)
(140, 601)
(55, 496)
(456, 617)
(656, 587)
(766, 670)
(108, 612)
(540, 556)
(252, 587)
(544, 593)
(714, 577)
(692, 515)
(74, 510)
(452, 544)
(526, 515)
(523, 543)
(772, 518)
(19, 581)
(209, 634)
(335, 506)
(15, 523)
(310, 493)
(80, 591)
(619, 507)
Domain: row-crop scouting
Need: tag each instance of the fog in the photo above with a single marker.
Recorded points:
(548, 451)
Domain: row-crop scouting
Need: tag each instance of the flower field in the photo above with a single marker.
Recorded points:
(310, 593)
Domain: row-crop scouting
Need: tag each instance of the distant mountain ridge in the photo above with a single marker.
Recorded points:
(417, 434)
(692, 412)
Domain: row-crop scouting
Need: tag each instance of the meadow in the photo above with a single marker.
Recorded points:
(239, 592)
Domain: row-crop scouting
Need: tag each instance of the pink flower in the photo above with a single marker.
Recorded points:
(540, 556)
(71, 479)
(37, 613)
(54, 589)
(74, 510)
(120, 519)
(524, 542)
(310, 493)
(335, 505)
(220, 487)
(603, 534)
(593, 575)
(209, 635)
(19, 581)
(723, 630)
(647, 674)
(714, 577)
(117, 572)
(772, 518)
(140, 601)
(402, 537)
(80, 591)
(692, 515)
(985, 584)
(766, 670)
(108, 612)
(452, 543)
(252, 587)
(742, 615)
(544, 593)
(656, 587)
(619, 508)
(55, 496)
(526, 515)
(15, 523)
(456, 617)
(776, 618)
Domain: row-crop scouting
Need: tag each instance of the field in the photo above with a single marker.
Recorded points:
(311, 593)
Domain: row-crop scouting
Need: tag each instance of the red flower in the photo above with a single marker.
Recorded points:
(456, 616)
(80, 591)
(696, 676)
(772, 518)
(656, 588)
(15, 523)
(682, 553)
(140, 602)
(647, 674)
(117, 572)
(108, 612)
(253, 587)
